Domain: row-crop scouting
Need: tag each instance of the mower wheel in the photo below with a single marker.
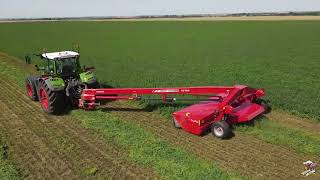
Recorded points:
(176, 123)
(221, 129)
(52, 102)
(31, 88)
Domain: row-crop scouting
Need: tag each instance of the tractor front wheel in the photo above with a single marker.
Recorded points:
(31, 88)
(221, 129)
(52, 102)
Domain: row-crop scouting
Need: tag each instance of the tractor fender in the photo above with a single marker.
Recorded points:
(51, 86)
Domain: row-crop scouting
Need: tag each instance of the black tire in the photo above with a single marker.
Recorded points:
(176, 123)
(31, 88)
(265, 104)
(95, 85)
(56, 100)
(221, 129)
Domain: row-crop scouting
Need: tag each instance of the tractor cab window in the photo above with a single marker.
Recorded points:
(50, 67)
(67, 66)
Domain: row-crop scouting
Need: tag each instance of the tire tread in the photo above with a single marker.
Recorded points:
(56, 104)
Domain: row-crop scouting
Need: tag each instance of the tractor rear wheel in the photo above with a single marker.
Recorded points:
(31, 88)
(52, 102)
(221, 129)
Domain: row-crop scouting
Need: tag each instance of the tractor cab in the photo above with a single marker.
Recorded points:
(64, 63)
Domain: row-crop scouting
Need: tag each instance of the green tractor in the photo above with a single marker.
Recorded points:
(61, 81)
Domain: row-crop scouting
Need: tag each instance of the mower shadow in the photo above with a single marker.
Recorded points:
(104, 85)
(108, 109)
(208, 133)
(147, 107)
(253, 122)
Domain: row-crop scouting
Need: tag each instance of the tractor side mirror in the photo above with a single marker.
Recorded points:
(37, 67)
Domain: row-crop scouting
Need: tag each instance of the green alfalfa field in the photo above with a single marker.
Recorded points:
(282, 57)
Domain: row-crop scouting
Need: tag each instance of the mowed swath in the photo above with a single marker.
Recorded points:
(282, 57)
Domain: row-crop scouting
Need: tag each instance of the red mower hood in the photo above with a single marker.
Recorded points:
(201, 110)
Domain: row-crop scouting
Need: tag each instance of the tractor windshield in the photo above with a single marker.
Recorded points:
(68, 66)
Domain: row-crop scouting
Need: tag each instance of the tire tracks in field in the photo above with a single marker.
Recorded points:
(87, 150)
(33, 152)
(242, 153)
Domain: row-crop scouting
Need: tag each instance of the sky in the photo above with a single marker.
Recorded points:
(79, 8)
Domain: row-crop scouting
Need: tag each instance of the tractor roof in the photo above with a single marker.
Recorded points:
(60, 55)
